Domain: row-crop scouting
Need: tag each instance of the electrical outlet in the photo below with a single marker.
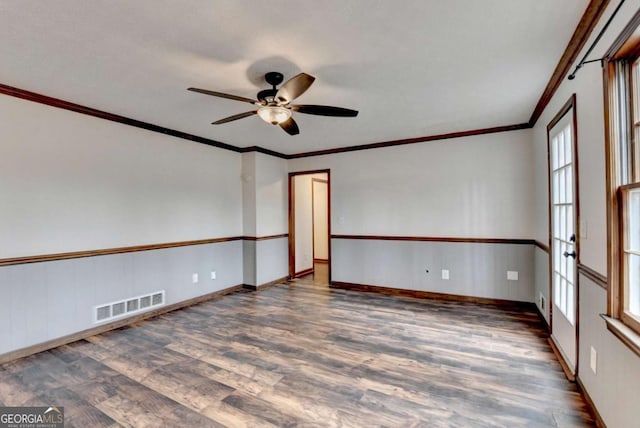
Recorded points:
(512, 275)
(445, 274)
(213, 274)
(194, 278)
(594, 360)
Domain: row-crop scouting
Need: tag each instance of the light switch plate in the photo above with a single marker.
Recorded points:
(445, 274)
(512, 275)
(194, 278)
(594, 360)
(583, 229)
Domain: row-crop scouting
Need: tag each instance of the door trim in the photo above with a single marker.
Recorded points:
(292, 220)
(313, 218)
(570, 105)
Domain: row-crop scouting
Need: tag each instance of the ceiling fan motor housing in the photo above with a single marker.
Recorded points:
(274, 78)
(268, 95)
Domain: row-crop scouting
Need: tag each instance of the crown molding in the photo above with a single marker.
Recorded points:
(78, 108)
(392, 143)
(583, 31)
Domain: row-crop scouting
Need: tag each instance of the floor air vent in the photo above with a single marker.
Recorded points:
(122, 308)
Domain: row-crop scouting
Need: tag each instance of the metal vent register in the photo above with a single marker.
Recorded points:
(122, 308)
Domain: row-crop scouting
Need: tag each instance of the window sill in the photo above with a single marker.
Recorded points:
(624, 333)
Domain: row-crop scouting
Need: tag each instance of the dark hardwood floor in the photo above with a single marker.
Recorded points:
(305, 355)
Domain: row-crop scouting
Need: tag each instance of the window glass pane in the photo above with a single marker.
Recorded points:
(556, 244)
(554, 153)
(560, 149)
(635, 87)
(561, 186)
(556, 187)
(570, 225)
(567, 145)
(563, 296)
(570, 304)
(556, 289)
(556, 221)
(636, 152)
(634, 284)
(569, 184)
(622, 122)
(633, 219)
(563, 259)
(563, 223)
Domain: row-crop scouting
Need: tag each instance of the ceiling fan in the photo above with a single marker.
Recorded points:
(275, 104)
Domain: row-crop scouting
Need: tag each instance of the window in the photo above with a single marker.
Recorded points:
(622, 77)
(628, 83)
(630, 256)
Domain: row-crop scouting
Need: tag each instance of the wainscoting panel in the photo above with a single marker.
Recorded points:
(476, 269)
(47, 300)
(272, 256)
(249, 262)
(541, 287)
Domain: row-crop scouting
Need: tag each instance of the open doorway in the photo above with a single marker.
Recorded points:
(310, 225)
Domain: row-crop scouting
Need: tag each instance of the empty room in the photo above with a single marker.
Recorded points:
(342, 213)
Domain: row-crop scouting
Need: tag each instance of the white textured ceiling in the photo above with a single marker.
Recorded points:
(412, 68)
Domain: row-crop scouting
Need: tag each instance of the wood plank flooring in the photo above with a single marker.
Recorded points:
(302, 355)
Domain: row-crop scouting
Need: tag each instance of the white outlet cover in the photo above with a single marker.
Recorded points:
(445, 274)
(194, 278)
(594, 360)
(213, 274)
(512, 275)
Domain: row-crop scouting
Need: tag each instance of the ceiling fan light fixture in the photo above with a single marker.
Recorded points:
(274, 115)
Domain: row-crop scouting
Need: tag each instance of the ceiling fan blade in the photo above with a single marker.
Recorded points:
(290, 126)
(324, 110)
(234, 117)
(223, 95)
(294, 87)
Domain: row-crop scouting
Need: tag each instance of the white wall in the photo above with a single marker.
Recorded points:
(265, 213)
(272, 256)
(271, 195)
(71, 182)
(249, 208)
(472, 187)
(615, 387)
(479, 187)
